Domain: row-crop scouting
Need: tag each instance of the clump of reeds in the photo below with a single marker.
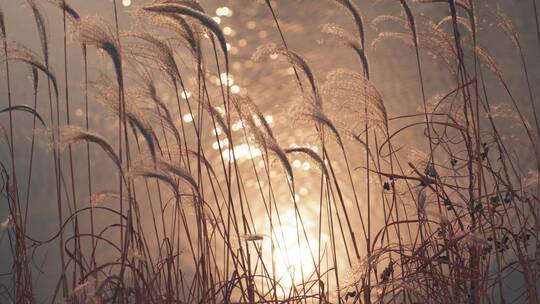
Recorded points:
(452, 217)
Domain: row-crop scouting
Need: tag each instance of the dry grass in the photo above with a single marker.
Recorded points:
(177, 223)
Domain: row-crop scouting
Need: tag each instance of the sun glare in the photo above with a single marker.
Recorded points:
(294, 262)
(293, 257)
